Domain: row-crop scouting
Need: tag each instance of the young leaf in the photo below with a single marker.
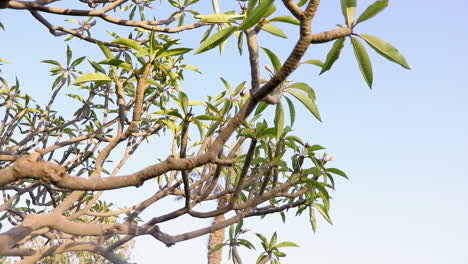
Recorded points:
(215, 6)
(363, 60)
(323, 211)
(273, 58)
(216, 39)
(312, 219)
(348, 7)
(256, 14)
(92, 77)
(279, 120)
(372, 10)
(306, 101)
(274, 30)
(385, 49)
(333, 55)
(304, 87)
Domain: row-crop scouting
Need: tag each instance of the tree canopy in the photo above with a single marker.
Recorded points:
(230, 149)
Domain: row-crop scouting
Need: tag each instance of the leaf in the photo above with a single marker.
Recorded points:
(279, 120)
(172, 52)
(323, 211)
(256, 14)
(274, 30)
(117, 63)
(372, 10)
(77, 61)
(363, 60)
(1, 26)
(314, 62)
(285, 19)
(96, 66)
(333, 55)
(218, 247)
(385, 49)
(208, 117)
(92, 77)
(69, 55)
(216, 39)
(218, 18)
(306, 101)
(286, 244)
(215, 6)
(105, 50)
(348, 7)
(312, 219)
(51, 62)
(273, 58)
(183, 99)
(304, 87)
(337, 172)
(292, 111)
(129, 43)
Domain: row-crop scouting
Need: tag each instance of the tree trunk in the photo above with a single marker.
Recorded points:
(216, 238)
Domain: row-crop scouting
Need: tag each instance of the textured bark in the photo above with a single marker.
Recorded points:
(216, 238)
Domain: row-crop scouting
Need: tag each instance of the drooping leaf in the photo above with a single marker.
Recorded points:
(363, 60)
(385, 49)
(348, 7)
(285, 19)
(216, 39)
(256, 14)
(273, 58)
(279, 120)
(306, 101)
(274, 30)
(323, 211)
(312, 219)
(372, 10)
(304, 87)
(92, 77)
(292, 111)
(333, 55)
(105, 50)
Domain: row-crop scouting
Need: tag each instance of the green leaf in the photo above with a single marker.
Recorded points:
(1, 26)
(279, 120)
(208, 117)
(129, 43)
(286, 244)
(105, 50)
(69, 55)
(372, 10)
(314, 62)
(337, 172)
(306, 101)
(312, 219)
(172, 52)
(304, 87)
(183, 99)
(348, 7)
(274, 30)
(216, 39)
(92, 77)
(256, 14)
(96, 66)
(273, 58)
(218, 18)
(286, 19)
(218, 247)
(261, 107)
(51, 62)
(333, 55)
(363, 60)
(292, 111)
(215, 6)
(117, 63)
(77, 61)
(323, 211)
(385, 49)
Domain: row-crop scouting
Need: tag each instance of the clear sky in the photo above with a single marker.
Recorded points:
(404, 143)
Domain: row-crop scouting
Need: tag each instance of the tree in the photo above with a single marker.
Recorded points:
(226, 149)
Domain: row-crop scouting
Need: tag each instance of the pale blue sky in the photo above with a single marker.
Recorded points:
(404, 144)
